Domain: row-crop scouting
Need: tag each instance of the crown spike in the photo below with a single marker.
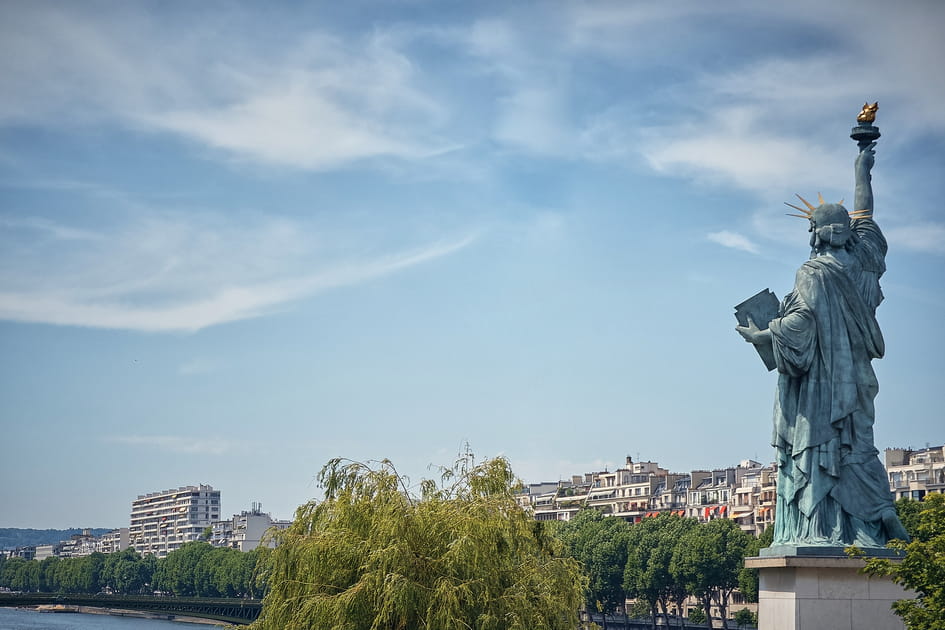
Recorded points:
(807, 213)
(841, 203)
(806, 203)
(799, 216)
(820, 199)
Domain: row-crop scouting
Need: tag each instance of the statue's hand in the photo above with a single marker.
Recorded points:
(865, 159)
(750, 333)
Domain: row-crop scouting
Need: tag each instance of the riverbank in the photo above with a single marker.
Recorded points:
(119, 612)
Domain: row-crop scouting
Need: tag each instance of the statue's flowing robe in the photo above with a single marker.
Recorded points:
(832, 488)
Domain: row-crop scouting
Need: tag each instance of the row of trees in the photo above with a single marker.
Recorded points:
(661, 561)
(196, 569)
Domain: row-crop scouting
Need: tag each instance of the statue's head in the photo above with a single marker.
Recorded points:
(829, 225)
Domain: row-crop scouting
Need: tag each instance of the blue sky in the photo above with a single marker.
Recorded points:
(238, 240)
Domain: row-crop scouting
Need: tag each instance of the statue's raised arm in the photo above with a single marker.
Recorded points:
(866, 135)
(863, 196)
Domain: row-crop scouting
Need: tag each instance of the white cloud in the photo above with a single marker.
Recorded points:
(733, 147)
(185, 272)
(733, 240)
(328, 104)
(763, 121)
(921, 237)
(181, 445)
(312, 102)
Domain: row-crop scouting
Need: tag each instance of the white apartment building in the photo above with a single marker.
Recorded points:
(631, 492)
(915, 473)
(163, 521)
(246, 530)
(116, 540)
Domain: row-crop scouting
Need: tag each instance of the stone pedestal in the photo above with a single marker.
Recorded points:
(823, 593)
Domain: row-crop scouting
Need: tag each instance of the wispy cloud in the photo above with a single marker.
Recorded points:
(733, 240)
(181, 445)
(45, 227)
(172, 272)
(921, 237)
(757, 122)
(329, 105)
(314, 101)
(733, 148)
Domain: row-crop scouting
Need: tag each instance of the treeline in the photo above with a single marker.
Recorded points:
(13, 537)
(662, 561)
(196, 569)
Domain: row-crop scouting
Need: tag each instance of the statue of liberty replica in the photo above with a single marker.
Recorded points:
(832, 489)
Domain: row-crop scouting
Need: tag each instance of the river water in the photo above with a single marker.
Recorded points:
(20, 619)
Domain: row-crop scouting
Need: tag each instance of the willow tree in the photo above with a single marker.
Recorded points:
(461, 555)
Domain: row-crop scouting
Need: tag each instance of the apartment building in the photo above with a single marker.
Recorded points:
(555, 500)
(163, 521)
(115, 540)
(638, 490)
(246, 530)
(915, 473)
(753, 501)
(672, 496)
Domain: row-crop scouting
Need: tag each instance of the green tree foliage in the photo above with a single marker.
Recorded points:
(48, 582)
(647, 577)
(257, 584)
(195, 569)
(923, 568)
(639, 610)
(128, 572)
(599, 543)
(92, 572)
(745, 617)
(748, 578)
(908, 511)
(21, 575)
(10, 568)
(708, 559)
(224, 572)
(697, 615)
(461, 555)
(178, 573)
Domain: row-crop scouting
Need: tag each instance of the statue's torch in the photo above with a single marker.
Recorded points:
(864, 133)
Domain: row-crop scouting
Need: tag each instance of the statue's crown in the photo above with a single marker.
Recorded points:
(812, 214)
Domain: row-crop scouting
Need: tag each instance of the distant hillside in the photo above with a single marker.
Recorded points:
(12, 537)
